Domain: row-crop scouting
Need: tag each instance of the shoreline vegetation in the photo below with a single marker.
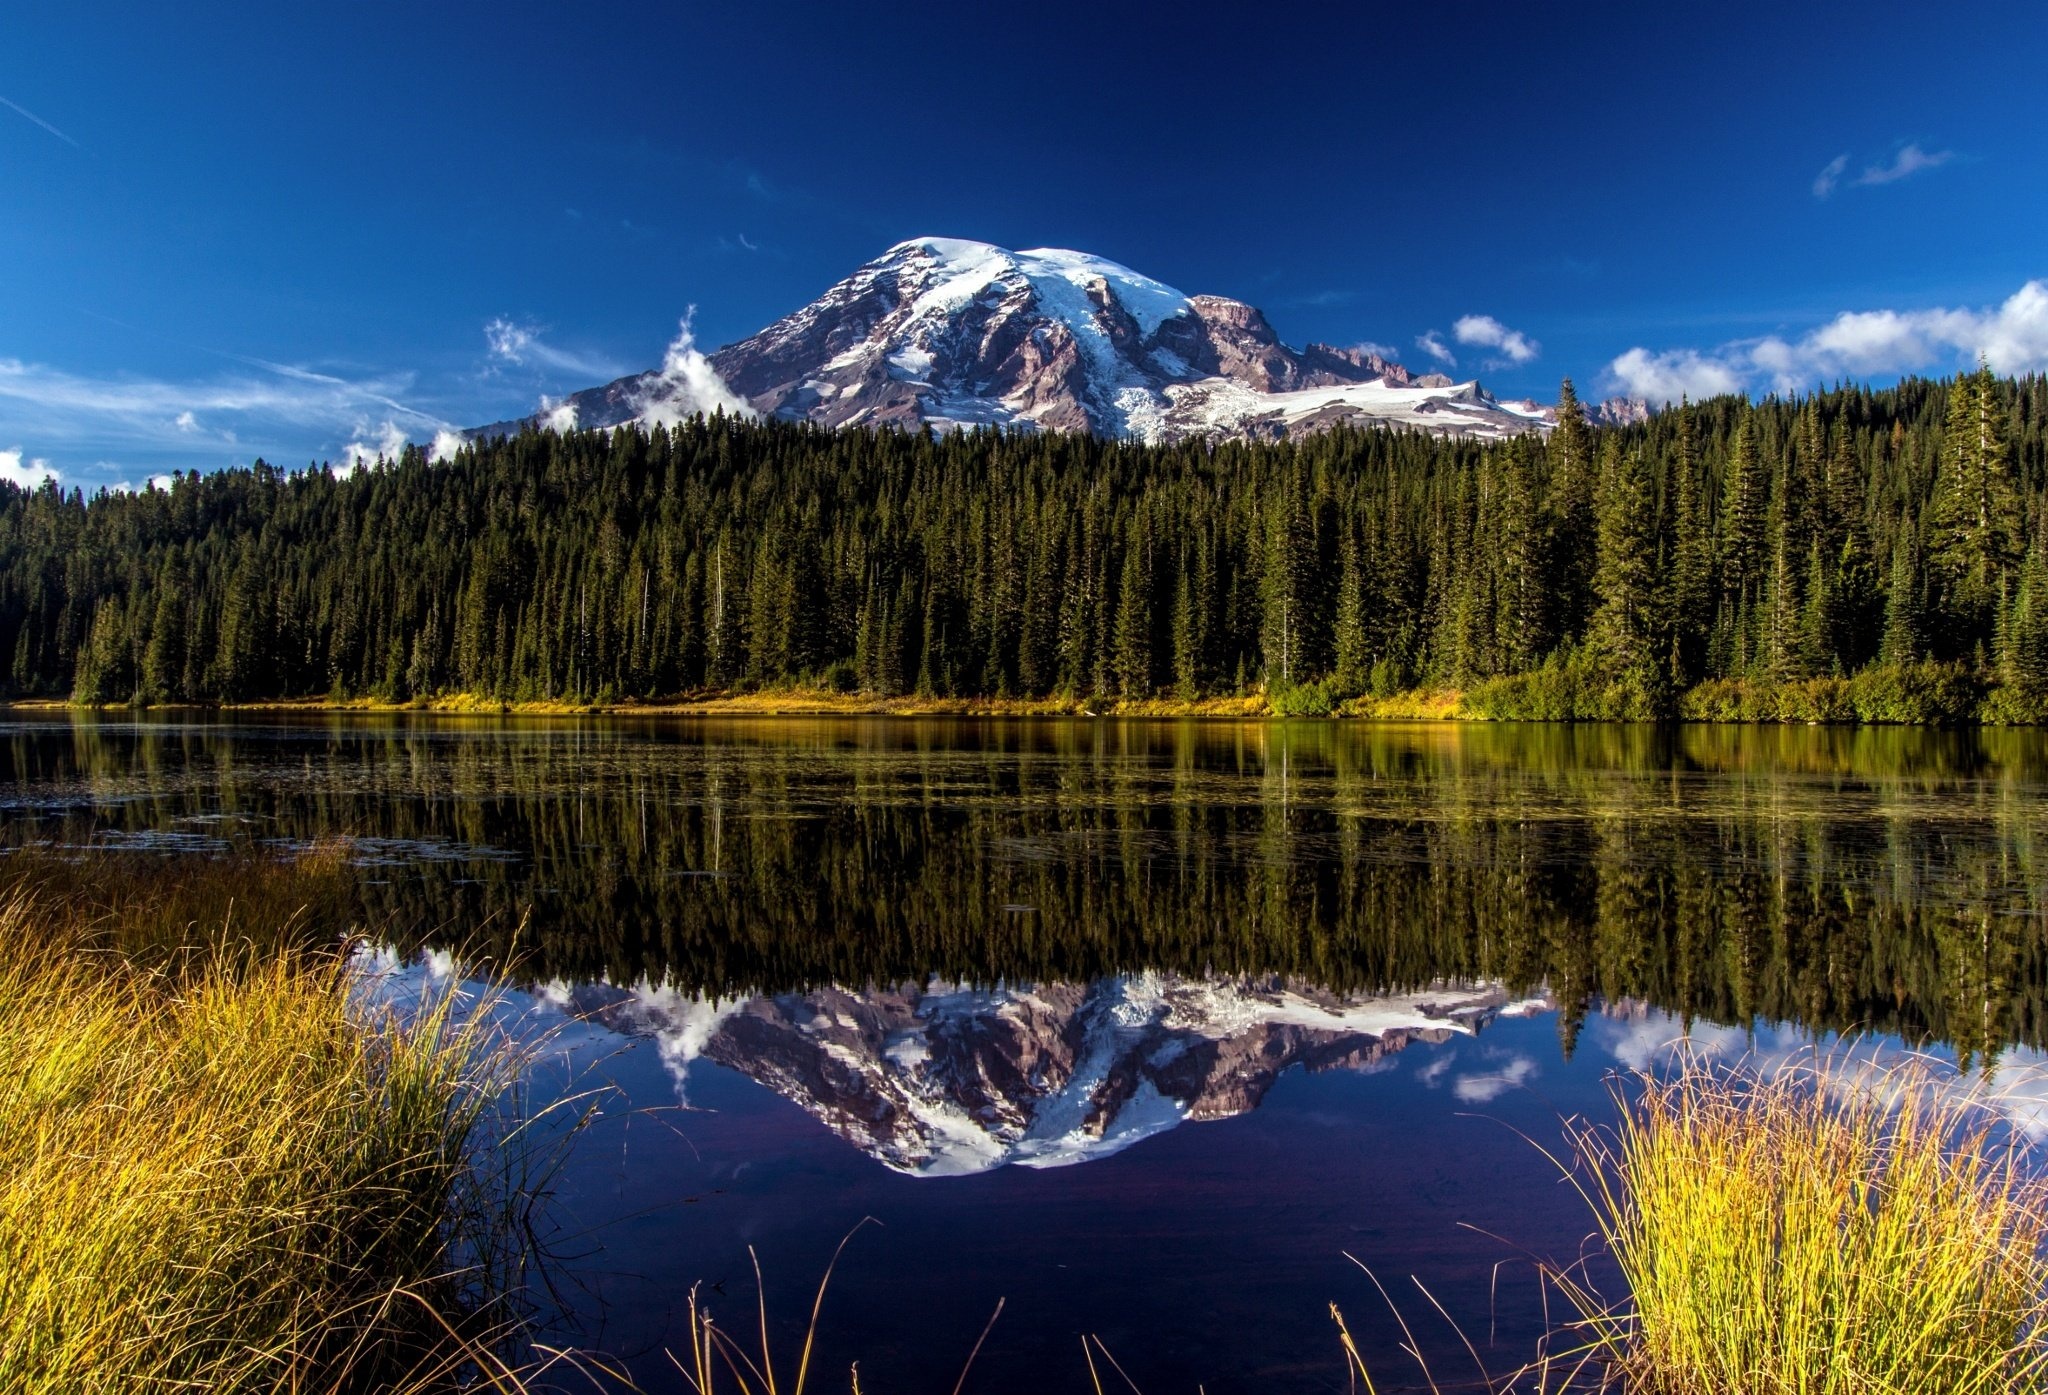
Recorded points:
(223, 1169)
(1566, 690)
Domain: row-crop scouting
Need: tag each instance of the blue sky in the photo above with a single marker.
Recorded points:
(302, 230)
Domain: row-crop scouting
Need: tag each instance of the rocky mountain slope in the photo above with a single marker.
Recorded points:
(953, 334)
(948, 1080)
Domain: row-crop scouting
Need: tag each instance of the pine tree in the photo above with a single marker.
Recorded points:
(106, 672)
(1625, 621)
(1855, 606)
(1572, 525)
(1904, 640)
(1290, 589)
(1743, 518)
(1973, 518)
(1692, 557)
(163, 661)
(1523, 598)
(1353, 658)
(1187, 672)
(1133, 639)
(2023, 657)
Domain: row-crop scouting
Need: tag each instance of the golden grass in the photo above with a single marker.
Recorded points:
(1825, 1229)
(1816, 1228)
(219, 1170)
(1414, 705)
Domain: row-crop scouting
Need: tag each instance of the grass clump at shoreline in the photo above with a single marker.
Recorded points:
(1821, 1228)
(219, 1169)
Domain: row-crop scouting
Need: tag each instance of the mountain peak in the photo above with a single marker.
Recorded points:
(955, 333)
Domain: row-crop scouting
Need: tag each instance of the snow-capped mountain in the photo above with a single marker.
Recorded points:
(953, 333)
(947, 1080)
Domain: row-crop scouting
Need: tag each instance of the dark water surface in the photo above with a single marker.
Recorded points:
(1138, 1026)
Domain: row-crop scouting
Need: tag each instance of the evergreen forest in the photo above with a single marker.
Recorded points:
(1857, 553)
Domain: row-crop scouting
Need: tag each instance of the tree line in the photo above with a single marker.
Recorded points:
(1786, 541)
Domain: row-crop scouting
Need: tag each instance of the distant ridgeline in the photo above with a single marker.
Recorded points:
(1855, 554)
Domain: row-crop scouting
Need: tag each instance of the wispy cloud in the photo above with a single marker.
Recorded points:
(1484, 331)
(20, 110)
(1908, 160)
(273, 406)
(1830, 176)
(516, 343)
(1318, 299)
(521, 343)
(1433, 344)
(2012, 336)
(1481, 1087)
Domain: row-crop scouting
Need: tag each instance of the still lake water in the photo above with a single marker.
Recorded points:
(1141, 1027)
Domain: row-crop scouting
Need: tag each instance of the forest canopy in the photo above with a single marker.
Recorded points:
(1876, 551)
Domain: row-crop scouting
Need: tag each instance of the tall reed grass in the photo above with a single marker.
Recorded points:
(1819, 1228)
(219, 1169)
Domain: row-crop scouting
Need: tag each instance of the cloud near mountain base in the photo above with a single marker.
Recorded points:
(687, 386)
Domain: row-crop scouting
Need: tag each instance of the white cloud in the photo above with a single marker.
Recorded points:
(1485, 332)
(1385, 351)
(1482, 1087)
(369, 444)
(208, 419)
(157, 482)
(1910, 160)
(512, 342)
(1831, 175)
(2012, 336)
(558, 416)
(687, 385)
(28, 474)
(1671, 376)
(446, 443)
(1433, 344)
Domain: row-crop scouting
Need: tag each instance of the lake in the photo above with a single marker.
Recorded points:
(1146, 1029)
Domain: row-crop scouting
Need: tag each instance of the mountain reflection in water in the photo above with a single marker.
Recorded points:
(948, 1080)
